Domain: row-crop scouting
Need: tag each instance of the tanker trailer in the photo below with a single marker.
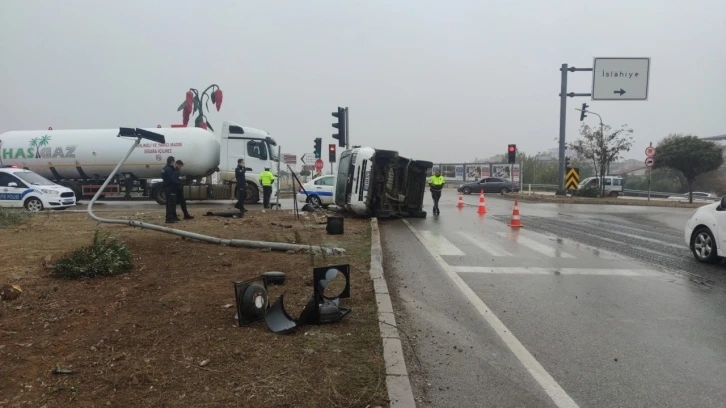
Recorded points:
(81, 159)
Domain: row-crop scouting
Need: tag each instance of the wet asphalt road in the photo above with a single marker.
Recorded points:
(589, 306)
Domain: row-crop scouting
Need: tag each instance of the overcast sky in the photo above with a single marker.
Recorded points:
(435, 80)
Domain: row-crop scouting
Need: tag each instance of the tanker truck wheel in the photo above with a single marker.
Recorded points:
(157, 193)
(253, 194)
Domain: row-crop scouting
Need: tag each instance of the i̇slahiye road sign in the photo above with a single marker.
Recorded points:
(649, 162)
(572, 180)
(620, 79)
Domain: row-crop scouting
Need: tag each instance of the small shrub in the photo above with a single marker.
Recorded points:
(11, 218)
(104, 257)
(587, 192)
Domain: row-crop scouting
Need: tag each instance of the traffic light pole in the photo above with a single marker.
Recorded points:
(347, 130)
(563, 121)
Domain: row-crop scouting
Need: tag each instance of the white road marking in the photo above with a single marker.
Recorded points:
(545, 380)
(537, 247)
(555, 271)
(442, 245)
(625, 234)
(488, 248)
(600, 253)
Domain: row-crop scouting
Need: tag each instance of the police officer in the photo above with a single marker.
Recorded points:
(168, 185)
(239, 175)
(179, 181)
(266, 179)
(437, 183)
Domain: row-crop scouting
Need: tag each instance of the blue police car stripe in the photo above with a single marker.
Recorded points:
(15, 196)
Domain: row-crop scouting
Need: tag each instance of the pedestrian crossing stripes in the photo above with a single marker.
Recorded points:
(442, 245)
(537, 247)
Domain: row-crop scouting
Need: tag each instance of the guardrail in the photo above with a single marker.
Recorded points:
(626, 192)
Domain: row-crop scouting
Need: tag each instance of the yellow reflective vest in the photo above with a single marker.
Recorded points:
(266, 178)
(436, 182)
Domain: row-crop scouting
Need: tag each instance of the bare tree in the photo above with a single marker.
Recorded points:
(602, 146)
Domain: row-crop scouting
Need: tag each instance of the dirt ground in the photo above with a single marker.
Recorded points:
(164, 335)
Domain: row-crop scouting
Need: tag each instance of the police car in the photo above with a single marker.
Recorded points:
(29, 190)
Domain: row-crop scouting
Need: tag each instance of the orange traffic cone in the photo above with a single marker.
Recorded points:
(516, 222)
(460, 204)
(482, 205)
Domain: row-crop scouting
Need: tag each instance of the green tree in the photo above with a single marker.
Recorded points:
(689, 155)
(602, 146)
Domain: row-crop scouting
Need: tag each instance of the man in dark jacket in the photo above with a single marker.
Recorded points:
(239, 175)
(168, 185)
(179, 180)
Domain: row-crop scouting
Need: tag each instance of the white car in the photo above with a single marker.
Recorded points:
(697, 195)
(320, 191)
(705, 232)
(23, 188)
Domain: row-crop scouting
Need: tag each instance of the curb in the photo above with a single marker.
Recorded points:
(398, 384)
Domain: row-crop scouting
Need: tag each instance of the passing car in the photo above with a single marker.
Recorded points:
(705, 232)
(20, 188)
(487, 185)
(697, 195)
(319, 191)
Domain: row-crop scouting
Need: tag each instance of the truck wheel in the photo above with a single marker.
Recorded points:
(418, 214)
(33, 204)
(157, 193)
(252, 194)
(614, 194)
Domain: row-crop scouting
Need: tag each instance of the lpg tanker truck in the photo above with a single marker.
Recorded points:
(82, 159)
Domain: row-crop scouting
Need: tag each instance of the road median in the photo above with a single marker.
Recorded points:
(165, 332)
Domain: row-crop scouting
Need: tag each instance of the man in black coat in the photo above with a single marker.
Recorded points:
(169, 186)
(179, 181)
(239, 175)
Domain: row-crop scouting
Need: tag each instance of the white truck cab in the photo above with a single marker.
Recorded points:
(257, 149)
(20, 188)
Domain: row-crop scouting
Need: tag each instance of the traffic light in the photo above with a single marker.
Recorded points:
(318, 147)
(512, 153)
(582, 112)
(342, 134)
(567, 162)
(331, 153)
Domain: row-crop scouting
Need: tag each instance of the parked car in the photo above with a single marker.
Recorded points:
(705, 232)
(614, 185)
(488, 185)
(320, 191)
(20, 188)
(697, 195)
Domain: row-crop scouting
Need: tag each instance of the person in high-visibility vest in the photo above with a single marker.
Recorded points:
(437, 183)
(266, 179)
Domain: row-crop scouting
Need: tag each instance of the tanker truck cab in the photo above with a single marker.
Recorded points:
(257, 149)
(20, 188)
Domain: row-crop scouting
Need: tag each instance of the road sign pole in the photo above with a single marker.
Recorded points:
(650, 176)
(563, 117)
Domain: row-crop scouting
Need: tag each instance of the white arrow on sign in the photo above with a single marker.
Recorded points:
(650, 151)
(649, 162)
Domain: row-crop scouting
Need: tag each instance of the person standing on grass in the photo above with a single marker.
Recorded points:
(437, 184)
(179, 180)
(266, 179)
(239, 175)
(169, 188)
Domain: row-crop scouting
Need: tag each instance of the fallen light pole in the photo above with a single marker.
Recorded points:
(155, 137)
